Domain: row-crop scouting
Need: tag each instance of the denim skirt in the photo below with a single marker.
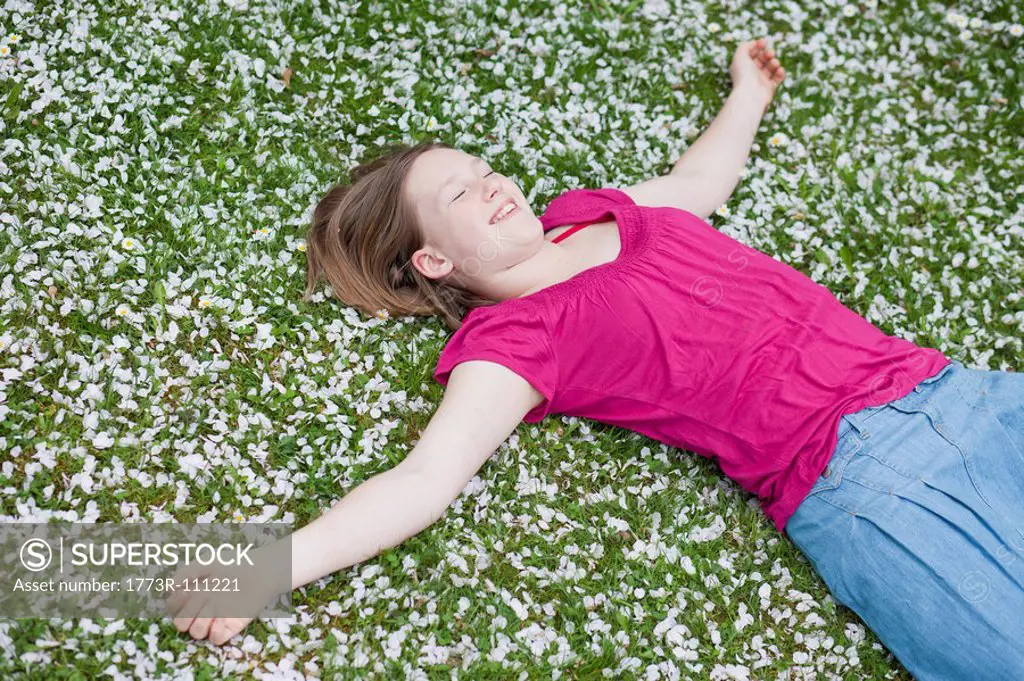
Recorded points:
(917, 524)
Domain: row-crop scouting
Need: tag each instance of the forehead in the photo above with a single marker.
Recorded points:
(438, 164)
(434, 168)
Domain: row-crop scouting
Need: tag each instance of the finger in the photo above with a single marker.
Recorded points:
(182, 624)
(173, 603)
(219, 633)
(222, 629)
(779, 75)
(188, 612)
(201, 626)
(177, 599)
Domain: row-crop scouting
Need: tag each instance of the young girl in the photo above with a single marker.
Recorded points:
(898, 472)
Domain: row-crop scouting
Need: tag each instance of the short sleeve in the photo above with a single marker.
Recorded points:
(579, 205)
(517, 339)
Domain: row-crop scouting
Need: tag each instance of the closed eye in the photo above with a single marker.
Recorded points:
(463, 191)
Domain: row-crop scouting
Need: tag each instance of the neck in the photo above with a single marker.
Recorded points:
(550, 264)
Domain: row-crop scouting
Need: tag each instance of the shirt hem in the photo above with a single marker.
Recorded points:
(785, 507)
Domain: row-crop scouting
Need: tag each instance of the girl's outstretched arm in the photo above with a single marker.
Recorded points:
(482, 404)
(706, 174)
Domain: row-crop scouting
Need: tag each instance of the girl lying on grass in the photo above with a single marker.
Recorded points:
(898, 472)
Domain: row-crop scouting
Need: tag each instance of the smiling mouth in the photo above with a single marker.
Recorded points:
(500, 211)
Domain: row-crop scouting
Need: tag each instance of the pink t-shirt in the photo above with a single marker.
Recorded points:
(699, 341)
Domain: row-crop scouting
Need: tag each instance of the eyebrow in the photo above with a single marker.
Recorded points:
(452, 178)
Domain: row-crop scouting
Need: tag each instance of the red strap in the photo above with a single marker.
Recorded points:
(572, 229)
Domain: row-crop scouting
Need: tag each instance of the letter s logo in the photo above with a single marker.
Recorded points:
(36, 554)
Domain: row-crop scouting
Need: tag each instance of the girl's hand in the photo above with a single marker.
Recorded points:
(198, 612)
(755, 69)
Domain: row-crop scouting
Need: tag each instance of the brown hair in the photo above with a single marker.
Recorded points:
(363, 235)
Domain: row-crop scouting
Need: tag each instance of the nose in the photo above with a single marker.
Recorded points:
(492, 185)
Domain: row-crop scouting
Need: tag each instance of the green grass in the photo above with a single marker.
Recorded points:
(898, 184)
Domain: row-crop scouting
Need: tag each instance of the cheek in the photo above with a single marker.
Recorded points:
(474, 241)
(480, 244)
(487, 246)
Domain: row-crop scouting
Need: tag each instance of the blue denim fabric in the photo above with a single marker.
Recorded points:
(917, 524)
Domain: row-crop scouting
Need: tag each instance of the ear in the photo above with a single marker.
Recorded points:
(431, 264)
